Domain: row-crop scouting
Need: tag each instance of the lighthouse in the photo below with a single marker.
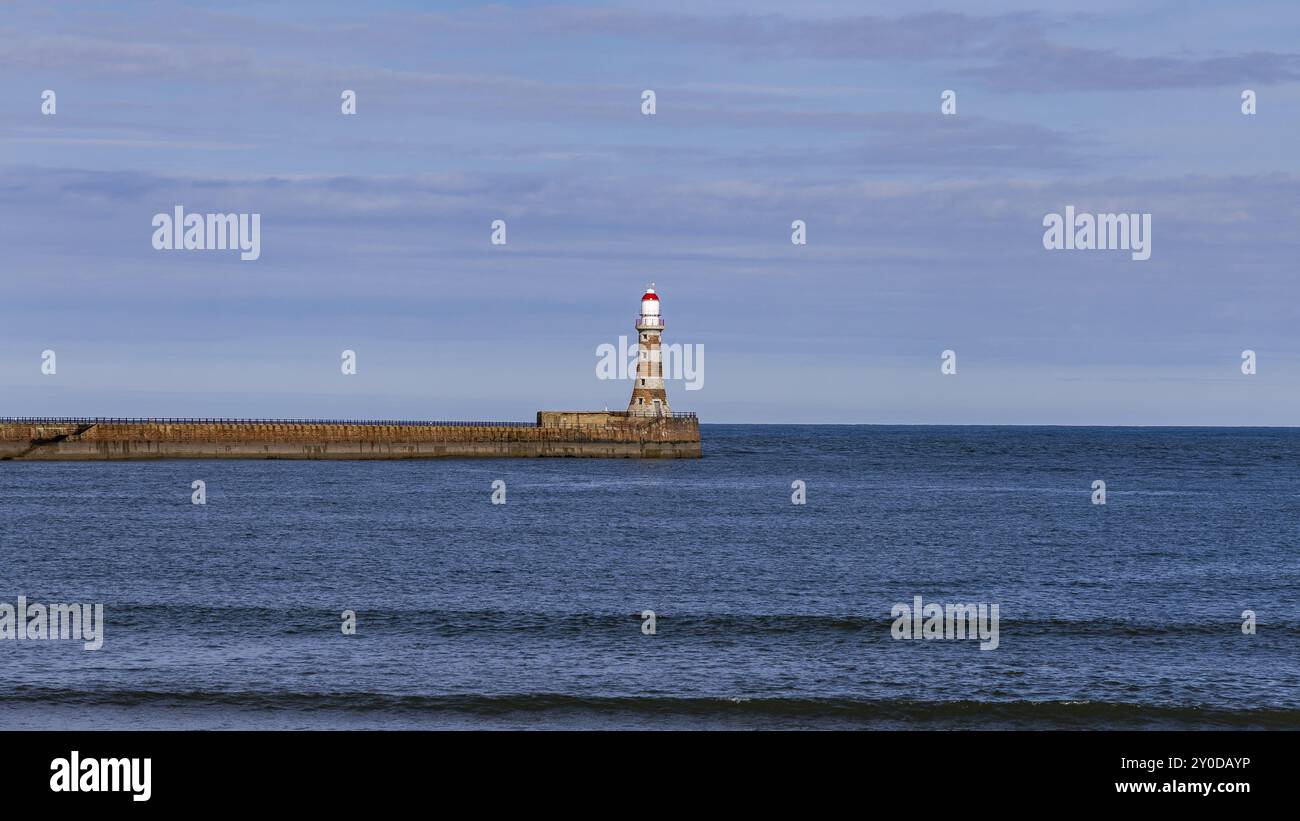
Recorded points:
(648, 396)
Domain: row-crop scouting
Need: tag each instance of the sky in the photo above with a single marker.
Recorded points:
(924, 229)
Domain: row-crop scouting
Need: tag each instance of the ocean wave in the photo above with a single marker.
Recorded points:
(307, 620)
(565, 708)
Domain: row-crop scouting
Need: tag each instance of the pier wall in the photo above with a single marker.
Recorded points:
(627, 437)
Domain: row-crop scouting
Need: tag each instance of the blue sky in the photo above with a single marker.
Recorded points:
(924, 231)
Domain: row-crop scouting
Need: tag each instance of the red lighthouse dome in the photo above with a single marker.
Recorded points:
(650, 309)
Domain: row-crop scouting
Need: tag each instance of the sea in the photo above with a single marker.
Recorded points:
(673, 594)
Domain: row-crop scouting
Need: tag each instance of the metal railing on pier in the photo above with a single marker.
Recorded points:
(410, 423)
(98, 420)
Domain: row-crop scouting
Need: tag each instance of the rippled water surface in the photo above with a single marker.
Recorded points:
(768, 614)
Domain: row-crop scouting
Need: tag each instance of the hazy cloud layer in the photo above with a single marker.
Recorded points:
(925, 231)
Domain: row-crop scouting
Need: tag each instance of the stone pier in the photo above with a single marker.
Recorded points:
(556, 433)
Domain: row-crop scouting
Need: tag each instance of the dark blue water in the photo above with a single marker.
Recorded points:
(768, 614)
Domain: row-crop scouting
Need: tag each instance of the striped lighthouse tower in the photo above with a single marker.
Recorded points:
(648, 396)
